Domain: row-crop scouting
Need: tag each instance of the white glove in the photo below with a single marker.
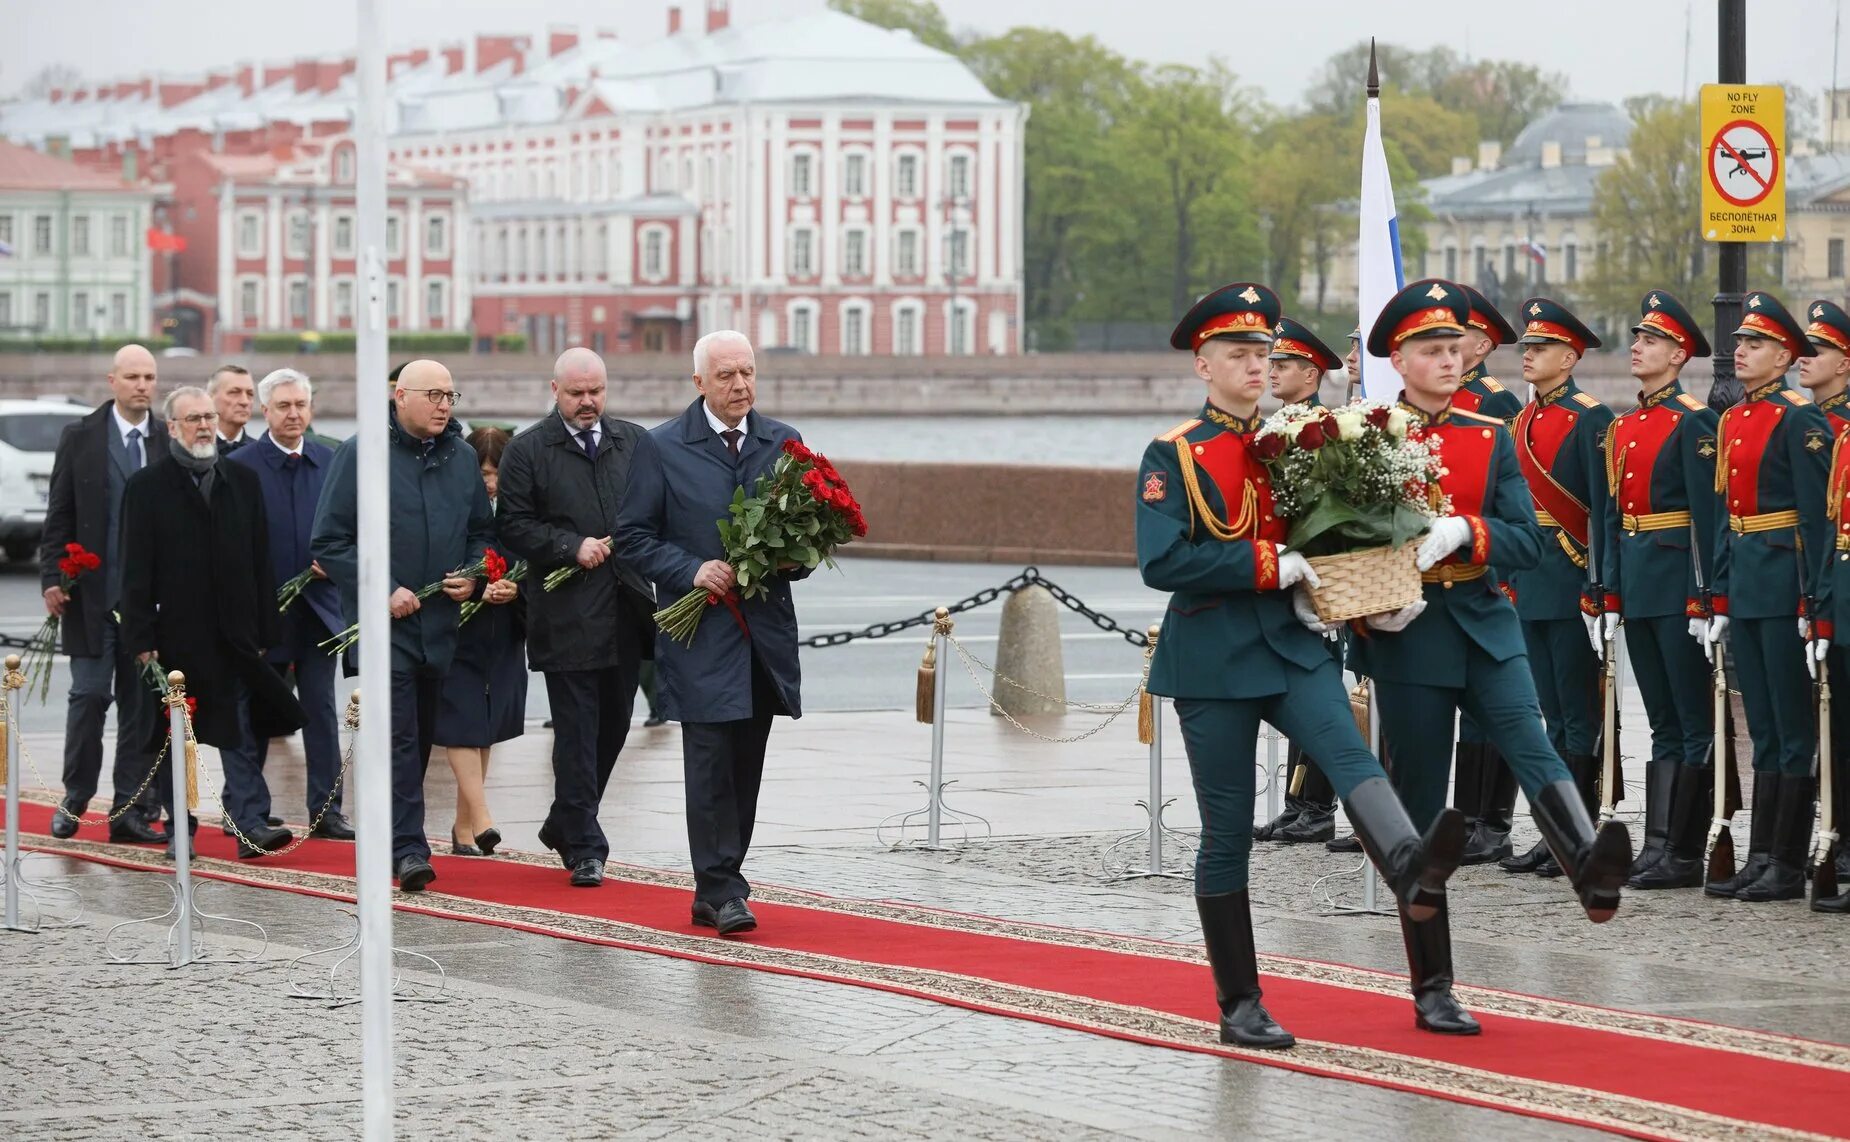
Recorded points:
(1805, 634)
(1716, 631)
(1601, 628)
(1307, 614)
(1815, 650)
(1391, 621)
(1699, 629)
(1448, 534)
(1294, 569)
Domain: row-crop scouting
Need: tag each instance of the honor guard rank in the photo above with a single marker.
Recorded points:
(1829, 333)
(1478, 391)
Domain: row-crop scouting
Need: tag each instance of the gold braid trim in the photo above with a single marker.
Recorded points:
(1612, 463)
(1834, 491)
(1721, 455)
(1249, 500)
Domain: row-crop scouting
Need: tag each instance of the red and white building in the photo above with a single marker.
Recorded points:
(825, 185)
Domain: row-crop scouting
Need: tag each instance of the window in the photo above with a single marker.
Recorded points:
(41, 310)
(957, 255)
(118, 313)
(957, 335)
(249, 307)
(1834, 258)
(6, 311)
(802, 252)
(433, 301)
(343, 299)
(394, 236)
(957, 178)
(854, 175)
(41, 234)
(392, 289)
(343, 235)
(118, 238)
(803, 328)
(298, 300)
(655, 253)
(906, 331)
(1570, 262)
(80, 236)
(1509, 261)
(437, 237)
(854, 253)
(297, 244)
(343, 165)
(1451, 263)
(6, 228)
(250, 235)
(906, 253)
(854, 330)
(906, 175)
(802, 175)
(80, 311)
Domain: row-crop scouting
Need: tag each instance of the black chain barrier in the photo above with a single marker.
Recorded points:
(1029, 577)
(14, 642)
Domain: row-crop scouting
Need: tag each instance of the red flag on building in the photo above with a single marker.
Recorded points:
(165, 242)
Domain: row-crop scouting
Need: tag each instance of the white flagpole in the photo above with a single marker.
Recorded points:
(373, 774)
(1377, 252)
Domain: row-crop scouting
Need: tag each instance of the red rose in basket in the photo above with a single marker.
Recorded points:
(795, 517)
(74, 564)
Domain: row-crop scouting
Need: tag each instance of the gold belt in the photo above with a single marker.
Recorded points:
(1450, 573)
(1766, 521)
(1654, 521)
(1545, 519)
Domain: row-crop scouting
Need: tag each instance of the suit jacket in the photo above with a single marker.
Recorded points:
(681, 484)
(552, 498)
(290, 493)
(88, 473)
(197, 590)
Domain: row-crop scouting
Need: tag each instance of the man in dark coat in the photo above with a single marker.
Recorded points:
(742, 667)
(197, 595)
(441, 523)
(562, 482)
(291, 470)
(95, 458)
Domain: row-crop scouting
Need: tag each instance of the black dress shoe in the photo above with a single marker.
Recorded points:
(705, 915)
(734, 917)
(1343, 845)
(1527, 862)
(261, 840)
(464, 850)
(275, 822)
(487, 839)
(334, 826)
(654, 720)
(64, 820)
(588, 873)
(131, 829)
(413, 873)
(547, 837)
(191, 852)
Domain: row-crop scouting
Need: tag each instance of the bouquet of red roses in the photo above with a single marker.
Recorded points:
(795, 517)
(491, 561)
(72, 566)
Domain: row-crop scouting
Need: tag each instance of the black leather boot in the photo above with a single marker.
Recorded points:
(1227, 929)
(1585, 770)
(1660, 778)
(1691, 808)
(1317, 821)
(1763, 817)
(1784, 878)
(1429, 961)
(1491, 840)
(1415, 867)
(1294, 805)
(1595, 862)
(1468, 782)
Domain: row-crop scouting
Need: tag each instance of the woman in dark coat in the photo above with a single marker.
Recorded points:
(484, 698)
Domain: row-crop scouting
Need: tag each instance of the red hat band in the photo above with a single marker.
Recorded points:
(1244, 321)
(1553, 332)
(1439, 317)
(1764, 326)
(1668, 326)
(1286, 347)
(1829, 334)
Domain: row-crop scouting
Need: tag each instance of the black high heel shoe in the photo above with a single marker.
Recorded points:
(462, 848)
(487, 839)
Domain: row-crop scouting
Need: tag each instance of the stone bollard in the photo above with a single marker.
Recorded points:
(1028, 651)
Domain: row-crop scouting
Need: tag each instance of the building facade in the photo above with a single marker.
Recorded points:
(73, 249)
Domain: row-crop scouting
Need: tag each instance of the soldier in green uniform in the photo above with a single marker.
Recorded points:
(1232, 653)
(1299, 360)
(1775, 456)
(1829, 333)
(1560, 441)
(1658, 523)
(1460, 647)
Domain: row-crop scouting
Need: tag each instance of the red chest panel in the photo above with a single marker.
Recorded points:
(1229, 464)
(1839, 418)
(1468, 399)
(1545, 431)
(1637, 439)
(1745, 431)
(1466, 447)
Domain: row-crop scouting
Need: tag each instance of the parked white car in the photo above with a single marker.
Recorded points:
(29, 431)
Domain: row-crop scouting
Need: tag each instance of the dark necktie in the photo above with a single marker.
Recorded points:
(291, 461)
(588, 442)
(731, 437)
(136, 457)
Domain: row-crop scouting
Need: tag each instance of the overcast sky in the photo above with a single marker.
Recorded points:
(1608, 49)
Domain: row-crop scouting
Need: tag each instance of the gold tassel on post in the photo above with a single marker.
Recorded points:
(1146, 706)
(925, 705)
(192, 771)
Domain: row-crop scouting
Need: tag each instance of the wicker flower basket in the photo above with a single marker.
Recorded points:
(1369, 581)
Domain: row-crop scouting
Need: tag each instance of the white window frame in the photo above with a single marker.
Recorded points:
(118, 313)
(343, 289)
(119, 246)
(298, 234)
(394, 299)
(812, 314)
(437, 224)
(959, 317)
(852, 311)
(41, 310)
(854, 168)
(958, 241)
(80, 235)
(914, 345)
(802, 173)
(439, 289)
(6, 309)
(653, 266)
(249, 225)
(803, 242)
(250, 300)
(344, 220)
(394, 235)
(291, 285)
(906, 260)
(6, 231)
(849, 245)
(80, 311)
(906, 186)
(343, 165)
(44, 236)
(959, 175)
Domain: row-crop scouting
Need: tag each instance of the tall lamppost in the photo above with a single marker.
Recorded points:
(1732, 36)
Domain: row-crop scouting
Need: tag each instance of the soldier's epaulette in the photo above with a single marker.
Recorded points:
(1690, 402)
(1180, 431)
(1467, 414)
(1795, 398)
(1586, 400)
(1492, 384)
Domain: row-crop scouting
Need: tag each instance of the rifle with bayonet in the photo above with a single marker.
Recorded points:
(1726, 782)
(1611, 776)
(1824, 856)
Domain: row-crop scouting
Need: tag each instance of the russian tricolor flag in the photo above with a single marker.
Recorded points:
(1378, 265)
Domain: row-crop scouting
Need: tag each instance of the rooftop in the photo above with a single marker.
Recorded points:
(22, 168)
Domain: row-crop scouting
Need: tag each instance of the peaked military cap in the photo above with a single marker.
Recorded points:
(1355, 334)
(1243, 311)
(1547, 320)
(1484, 316)
(1763, 316)
(1662, 314)
(1430, 307)
(1830, 325)
(1293, 339)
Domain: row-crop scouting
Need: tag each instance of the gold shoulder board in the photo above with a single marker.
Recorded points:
(1476, 417)
(1586, 400)
(1795, 398)
(1180, 430)
(1690, 402)
(1493, 385)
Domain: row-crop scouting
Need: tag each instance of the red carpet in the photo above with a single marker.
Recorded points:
(1639, 1075)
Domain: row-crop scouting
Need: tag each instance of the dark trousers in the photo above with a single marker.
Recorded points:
(244, 796)
(1221, 737)
(1776, 691)
(414, 722)
(1673, 679)
(95, 682)
(590, 721)
(1499, 696)
(314, 685)
(722, 765)
(1566, 673)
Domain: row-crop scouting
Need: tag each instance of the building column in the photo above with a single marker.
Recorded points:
(414, 261)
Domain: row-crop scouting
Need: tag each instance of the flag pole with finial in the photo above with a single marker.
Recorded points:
(1378, 268)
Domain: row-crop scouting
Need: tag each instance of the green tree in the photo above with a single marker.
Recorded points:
(920, 17)
(1500, 97)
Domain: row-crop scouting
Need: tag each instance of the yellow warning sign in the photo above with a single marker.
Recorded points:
(1743, 162)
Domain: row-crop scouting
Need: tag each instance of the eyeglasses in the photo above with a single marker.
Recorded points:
(439, 396)
(198, 419)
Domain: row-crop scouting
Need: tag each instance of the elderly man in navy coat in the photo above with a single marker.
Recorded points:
(291, 470)
(742, 667)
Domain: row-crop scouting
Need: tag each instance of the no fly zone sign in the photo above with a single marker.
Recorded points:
(1743, 162)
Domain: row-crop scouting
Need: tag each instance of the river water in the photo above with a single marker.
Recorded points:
(1077, 441)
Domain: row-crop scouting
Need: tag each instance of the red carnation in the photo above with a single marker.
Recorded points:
(1378, 417)
(1269, 446)
(1311, 437)
(493, 565)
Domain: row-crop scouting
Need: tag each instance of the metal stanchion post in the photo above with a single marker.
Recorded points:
(1156, 785)
(12, 795)
(935, 793)
(180, 820)
(1273, 804)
